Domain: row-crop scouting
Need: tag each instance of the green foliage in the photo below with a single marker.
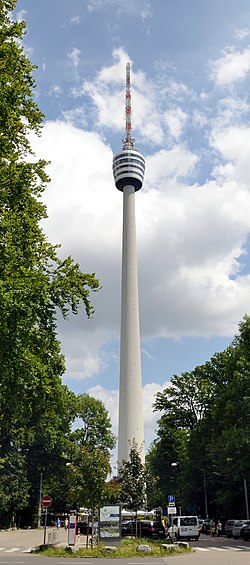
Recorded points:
(95, 430)
(205, 428)
(36, 410)
(87, 475)
(132, 477)
(127, 548)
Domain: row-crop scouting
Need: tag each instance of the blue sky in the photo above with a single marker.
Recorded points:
(190, 73)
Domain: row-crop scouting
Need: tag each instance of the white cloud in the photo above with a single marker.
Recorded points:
(75, 20)
(190, 239)
(231, 67)
(230, 110)
(175, 120)
(107, 94)
(199, 119)
(56, 89)
(146, 11)
(165, 166)
(232, 143)
(74, 56)
(76, 116)
(242, 33)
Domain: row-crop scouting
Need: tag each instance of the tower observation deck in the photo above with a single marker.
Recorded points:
(129, 163)
(128, 170)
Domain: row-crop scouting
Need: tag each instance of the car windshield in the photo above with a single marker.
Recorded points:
(188, 521)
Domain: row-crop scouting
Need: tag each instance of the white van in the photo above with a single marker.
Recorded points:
(186, 527)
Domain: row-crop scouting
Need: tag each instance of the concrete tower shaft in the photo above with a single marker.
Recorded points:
(130, 424)
(128, 170)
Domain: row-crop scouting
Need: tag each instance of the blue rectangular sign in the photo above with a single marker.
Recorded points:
(171, 498)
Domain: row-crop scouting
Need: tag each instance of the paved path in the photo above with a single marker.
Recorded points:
(14, 541)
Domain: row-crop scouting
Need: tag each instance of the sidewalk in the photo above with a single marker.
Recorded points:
(25, 539)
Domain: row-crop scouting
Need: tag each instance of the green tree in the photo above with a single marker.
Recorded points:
(209, 408)
(132, 476)
(34, 281)
(95, 426)
(87, 476)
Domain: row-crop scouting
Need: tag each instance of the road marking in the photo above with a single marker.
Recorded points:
(2, 548)
(218, 548)
(233, 548)
(12, 550)
(201, 549)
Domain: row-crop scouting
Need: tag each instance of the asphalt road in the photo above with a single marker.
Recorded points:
(15, 547)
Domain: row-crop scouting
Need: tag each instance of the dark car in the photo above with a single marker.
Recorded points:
(145, 529)
(238, 527)
(84, 528)
(246, 532)
(229, 528)
(205, 526)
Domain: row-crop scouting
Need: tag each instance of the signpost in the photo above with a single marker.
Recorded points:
(172, 511)
(72, 528)
(46, 501)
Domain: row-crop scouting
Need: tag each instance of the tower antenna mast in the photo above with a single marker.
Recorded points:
(128, 142)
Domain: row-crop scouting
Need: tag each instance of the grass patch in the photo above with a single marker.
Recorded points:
(126, 548)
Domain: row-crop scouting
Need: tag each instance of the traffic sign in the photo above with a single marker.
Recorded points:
(46, 500)
(171, 498)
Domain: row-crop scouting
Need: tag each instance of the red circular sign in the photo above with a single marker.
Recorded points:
(46, 500)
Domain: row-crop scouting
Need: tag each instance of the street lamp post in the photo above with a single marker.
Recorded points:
(40, 502)
(205, 493)
(246, 498)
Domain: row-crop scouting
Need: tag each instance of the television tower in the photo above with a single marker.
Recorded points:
(128, 170)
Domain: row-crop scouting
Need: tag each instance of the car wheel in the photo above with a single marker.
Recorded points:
(236, 537)
(196, 538)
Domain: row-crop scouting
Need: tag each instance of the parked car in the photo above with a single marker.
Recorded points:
(145, 529)
(237, 528)
(186, 527)
(84, 528)
(229, 528)
(246, 532)
(205, 527)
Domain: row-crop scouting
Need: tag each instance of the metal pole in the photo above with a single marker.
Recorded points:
(45, 525)
(246, 498)
(205, 493)
(40, 502)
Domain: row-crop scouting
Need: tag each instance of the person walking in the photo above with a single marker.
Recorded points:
(219, 528)
(212, 528)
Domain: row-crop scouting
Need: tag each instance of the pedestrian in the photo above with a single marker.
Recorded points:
(58, 523)
(212, 528)
(66, 523)
(219, 528)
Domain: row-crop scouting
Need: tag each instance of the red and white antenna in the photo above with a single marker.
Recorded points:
(128, 142)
